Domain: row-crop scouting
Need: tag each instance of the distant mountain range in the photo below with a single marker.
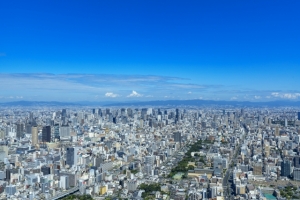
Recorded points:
(174, 103)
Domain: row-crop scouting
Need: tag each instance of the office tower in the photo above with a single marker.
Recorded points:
(285, 122)
(34, 135)
(277, 131)
(129, 112)
(123, 111)
(46, 134)
(31, 118)
(64, 113)
(72, 157)
(177, 117)
(56, 131)
(297, 161)
(99, 112)
(218, 163)
(286, 168)
(93, 111)
(28, 128)
(298, 115)
(20, 130)
(64, 132)
(10, 190)
(257, 169)
(149, 160)
(144, 113)
(45, 170)
(64, 182)
(242, 112)
(266, 120)
(132, 185)
(177, 136)
(296, 174)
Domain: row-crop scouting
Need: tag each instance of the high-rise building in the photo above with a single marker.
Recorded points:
(10, 190)
(296, 161)
(286, 168)
(149, 160)
(64, 131)
(296, 174)
(99, 112)
(285, 122)
(56, 131)
(31, 118)
(177, 116)
(177, 136)
(72, 157)
(64, 182)
(257, 169)
(46, 134)
(28, 128)
(34, 135)
(64, 113)
(298, 115)
(132, 185)
(45, 170)
(20, 130)
(242, 112)
(277, 131)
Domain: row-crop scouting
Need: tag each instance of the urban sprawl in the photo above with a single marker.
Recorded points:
(149, 153)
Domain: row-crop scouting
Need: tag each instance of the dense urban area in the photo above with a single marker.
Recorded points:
(178, 153)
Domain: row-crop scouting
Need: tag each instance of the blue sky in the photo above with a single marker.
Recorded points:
(149, 50)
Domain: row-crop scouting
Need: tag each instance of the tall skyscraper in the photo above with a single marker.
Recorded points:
(285, 122)
(34, 135)
(286, 168)
(177, 137)
(64, 132)
(56, 131)
(46, 134)
(20, 130)
(177, 117)
(31, 118)
(72, 157)
(298, 115)
(99, 112)
(297, 161)
(277, 131)
(64, 113)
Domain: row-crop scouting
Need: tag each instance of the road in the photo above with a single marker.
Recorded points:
(226, 184)
(65, 193)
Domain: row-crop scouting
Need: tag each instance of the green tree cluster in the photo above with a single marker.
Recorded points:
(149, 188)
(182, 166)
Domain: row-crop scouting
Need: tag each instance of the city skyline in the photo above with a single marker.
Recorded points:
(144, 51)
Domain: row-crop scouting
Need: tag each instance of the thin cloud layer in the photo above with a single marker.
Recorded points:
(286, 95)
(78, 87)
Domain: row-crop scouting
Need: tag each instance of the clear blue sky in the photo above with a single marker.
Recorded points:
(148, 50)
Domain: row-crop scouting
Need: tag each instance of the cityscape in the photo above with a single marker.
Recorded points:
(150, 153)
(149, 100)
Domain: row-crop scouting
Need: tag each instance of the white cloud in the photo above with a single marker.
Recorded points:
(149, 96)
(111, 95)
(135, 94)
(189, 92)
(257, 97)
(233, 98)
(285, 95)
